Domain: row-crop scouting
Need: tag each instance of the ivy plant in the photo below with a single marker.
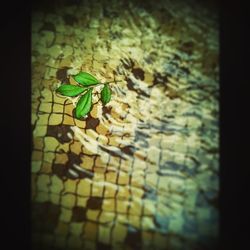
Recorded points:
(86, 83)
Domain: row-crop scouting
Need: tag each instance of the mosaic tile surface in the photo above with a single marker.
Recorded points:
(142, 171)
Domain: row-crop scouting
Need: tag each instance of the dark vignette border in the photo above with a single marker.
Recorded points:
(15, 124)
(16, 128)
(234, 49)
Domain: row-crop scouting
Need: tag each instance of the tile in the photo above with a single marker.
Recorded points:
(58, 108)
(122, 206)
(56, 185)
(110, 190)
(61, 158)
(35, 166)
(176, 225)
(34, 117)
(97, 189)
(68, 120)
(108, 205)
(153, 155)
(103, 140)
(113, 141)
(95, 111)
(111, 177)
(40, 130)
(149, 207)
(81, 202)
(38, 143)
(46, 168)
(135, 207)
(66, 215)
(98, 176)
(139, 164)
(136, 192)
(123, 192)
(87, 162)
(50, 143)
(62, 228)
(90, 231)
(137, 181)
(68, 200)
(80, 124)
(70, 186)
(92, 214)
(76, 228)
(54, 198)
(45, 107)
(76, 147)
(164, 184)
(148, 223)
(101, 129)
(43, 182)
(42, 196)
(42, 119)
(63, 147)
(122, 218)
(47, 95)
(49, 157)
(59, 99)
(123, 178)
(106, 217)
(99, 162)
(55, 119)
(83, 187)
(119, 233)
(134, 220)
(104, 233)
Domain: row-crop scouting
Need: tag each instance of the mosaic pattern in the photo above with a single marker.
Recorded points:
(142, 171)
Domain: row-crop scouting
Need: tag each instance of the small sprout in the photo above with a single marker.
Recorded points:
(87, 82)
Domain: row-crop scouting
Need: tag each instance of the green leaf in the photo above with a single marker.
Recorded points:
(85, 79)
(70, 90)
(106, 94)
(84, 104)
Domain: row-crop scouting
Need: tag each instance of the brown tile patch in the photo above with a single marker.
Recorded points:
(92, 123)
(78, 214)
(94, 203)
(133, 238)
(138, 73)
(59, 170)
(62, 75)
(60, 132)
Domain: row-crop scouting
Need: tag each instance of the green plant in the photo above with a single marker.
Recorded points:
(86, 84)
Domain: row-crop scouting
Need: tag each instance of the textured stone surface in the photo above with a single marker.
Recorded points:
(142, 172)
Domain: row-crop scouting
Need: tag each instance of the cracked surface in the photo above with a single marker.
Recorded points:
(141, 172)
